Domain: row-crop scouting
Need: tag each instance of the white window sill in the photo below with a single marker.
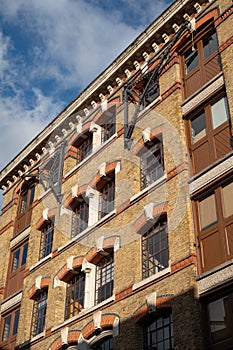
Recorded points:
(151, 278)
(148, 188)
(38, 336)
(83, 312)
(87, 230)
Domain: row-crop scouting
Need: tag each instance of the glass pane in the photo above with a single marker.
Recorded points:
(16, 322)
(198, 127)
(207, 211)
(24, 203)
(191, 59)
(15, 263)
(210, 44)
(227, 194)
(32, 192)
(25, 252)
(6, 330)
(217, 315)
(219, 112)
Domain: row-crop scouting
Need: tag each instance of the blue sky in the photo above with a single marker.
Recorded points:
(51, 49)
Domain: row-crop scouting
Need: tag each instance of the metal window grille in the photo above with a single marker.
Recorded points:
(80, 218)
(104, 278)
(152, 163)
(85, 148)
(39, 313)
(155, 249)
(75, 295)
(107, 196)
(46, 242)
(108, 129)
(159, 334)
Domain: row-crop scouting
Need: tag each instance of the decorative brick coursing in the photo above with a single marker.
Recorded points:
(10, 224)
(72, 338)
(224, 16)
(64, 274)
(107, 321)
(74, 138)
(70, 199)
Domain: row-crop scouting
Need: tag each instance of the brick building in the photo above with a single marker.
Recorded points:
(117, 220)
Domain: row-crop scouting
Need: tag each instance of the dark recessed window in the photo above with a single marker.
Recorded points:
(75, 295)
(103, 344)
(19, 257)
(151, 162)
(10, 325)
(46, 242)
(107, 196)
(39, 312)
(84, 146)
(80, 216)
(104, 278)
(155, 253)
(158, 334)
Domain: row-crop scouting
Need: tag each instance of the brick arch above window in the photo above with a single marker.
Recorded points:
(71, 339)
(47, 215)
(95, 254)
(156, 304)
(148, 135)
(101, 322)
(76, 136)
(76, 192)
(151, 212)
(40, 283)
(105, 169)
(73, 264)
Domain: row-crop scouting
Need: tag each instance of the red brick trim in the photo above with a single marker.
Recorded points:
(226, 44)
(109, 168)
(224, 16)
(43, 284)
(163, 301)
(124, 293)
(141, 221)
(13, 202)
(109, 105)
(64, 274)
(140, 144)
(2, 290)
(85, 128)
(41, 221)
(72, 338)
(172, 173)
(70, 199)
(183, 263)
(107, 321)
(4, 228)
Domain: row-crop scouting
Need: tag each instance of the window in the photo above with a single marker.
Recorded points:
(209, 133)
(39, 312)
(75, 295)
(84, 146)
(19, 257)
(104, 344)
(107, 121)
(219, 315)
(152, 163)
(104, 278)
(24, 208)
(107, 196)
(80, 216)
(215, 226)
(155, 249)
(10, 325)
(16, 269)
(46, 242)
(158, 333)
(201, 62)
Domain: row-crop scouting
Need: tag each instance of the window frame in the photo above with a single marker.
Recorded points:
(39, 307)
(150, 326)
(148, 244)
(84, 146)
(23, 218)
(153, 148)
(107, 195)
(104, 277)
(14, 323)
(80, 215)
(215, 143)
(78, 280)
(47, 231)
